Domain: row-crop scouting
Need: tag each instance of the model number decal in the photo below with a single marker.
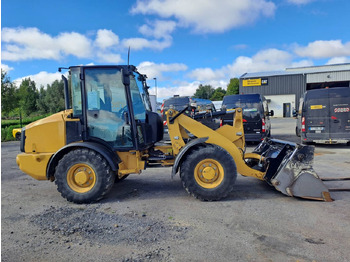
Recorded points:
(341, 109)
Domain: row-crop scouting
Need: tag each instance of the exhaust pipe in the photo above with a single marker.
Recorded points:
(289, 169)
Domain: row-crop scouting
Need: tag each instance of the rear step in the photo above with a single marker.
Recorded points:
(330, 179)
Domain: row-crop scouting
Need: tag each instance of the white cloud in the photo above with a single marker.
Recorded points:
(207, 74)
(30, 43)
(109, 57)
(207, 15)
(106, 38)
(324, 49)
(302, 63)
(20, 44)
(152, 69)
(41, 79)
(338, 60)
(265, 60)
(185, 89)
(141, 43)
(6, 68)
(158, 29)
(74, 44)
(161, 72)
(299, 2)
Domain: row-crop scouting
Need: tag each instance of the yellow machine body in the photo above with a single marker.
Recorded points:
(111, 133)
(231, 138)
(43, 138)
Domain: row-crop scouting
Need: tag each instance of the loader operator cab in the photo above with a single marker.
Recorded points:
(113, 106)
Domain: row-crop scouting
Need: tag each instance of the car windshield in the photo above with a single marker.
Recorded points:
(251, 105)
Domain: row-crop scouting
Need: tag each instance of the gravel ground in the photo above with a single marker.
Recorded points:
(150, 217)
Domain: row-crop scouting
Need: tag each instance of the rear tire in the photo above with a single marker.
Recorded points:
(83, 176)
(208, 173)
(18, 136)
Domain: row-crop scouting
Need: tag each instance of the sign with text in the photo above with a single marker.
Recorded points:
(255, 82)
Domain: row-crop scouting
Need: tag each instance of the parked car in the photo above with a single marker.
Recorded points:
(199, 106)
(256, 115)
(323, 116)
(16, 132)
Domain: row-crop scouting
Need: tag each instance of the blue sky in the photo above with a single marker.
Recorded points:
(182, 43)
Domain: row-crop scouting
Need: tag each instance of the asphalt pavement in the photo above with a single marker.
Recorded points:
(150, 217)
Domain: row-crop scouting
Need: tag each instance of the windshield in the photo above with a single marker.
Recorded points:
(251, 105)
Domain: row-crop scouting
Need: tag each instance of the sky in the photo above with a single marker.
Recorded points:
(181, 43)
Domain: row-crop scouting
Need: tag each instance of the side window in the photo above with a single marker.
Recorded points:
(76, 93)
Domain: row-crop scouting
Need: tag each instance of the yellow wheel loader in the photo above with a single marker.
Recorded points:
(108, 131)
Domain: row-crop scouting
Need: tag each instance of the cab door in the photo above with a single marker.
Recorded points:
(107, 112)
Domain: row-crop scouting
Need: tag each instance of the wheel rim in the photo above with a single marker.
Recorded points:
(209, 173)
(81, 178)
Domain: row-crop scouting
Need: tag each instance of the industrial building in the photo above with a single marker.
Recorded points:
(283, 89)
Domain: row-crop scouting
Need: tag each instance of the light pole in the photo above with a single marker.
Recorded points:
(155, 85)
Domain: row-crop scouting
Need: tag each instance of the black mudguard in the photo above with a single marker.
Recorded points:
(110, 156)
(183, 151)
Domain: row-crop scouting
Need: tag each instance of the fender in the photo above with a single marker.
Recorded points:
(110, 156)
(183, 151)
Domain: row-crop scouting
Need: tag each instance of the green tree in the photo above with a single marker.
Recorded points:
(233, 87)
(54, 97)
(28, 96)
(218, 94)
(204, 91)
(41, 103)
(9, 98)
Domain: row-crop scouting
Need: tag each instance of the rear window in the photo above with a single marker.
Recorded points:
(251, 104)
(177, 101)
(340, 93)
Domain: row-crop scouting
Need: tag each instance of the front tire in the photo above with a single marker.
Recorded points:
(208, 173)
(83, 176)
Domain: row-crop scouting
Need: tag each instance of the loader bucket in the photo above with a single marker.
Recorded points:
(289, 169)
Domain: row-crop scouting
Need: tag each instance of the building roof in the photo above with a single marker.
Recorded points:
(321, 69)
(269, 73)
(300, 70)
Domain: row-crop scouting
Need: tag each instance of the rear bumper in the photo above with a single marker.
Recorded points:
(324, 139)
(254, 137)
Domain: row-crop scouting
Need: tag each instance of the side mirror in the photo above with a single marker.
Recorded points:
(295, 113)
(271, 113)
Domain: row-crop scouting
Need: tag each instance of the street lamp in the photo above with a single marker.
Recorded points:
(155, 85)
